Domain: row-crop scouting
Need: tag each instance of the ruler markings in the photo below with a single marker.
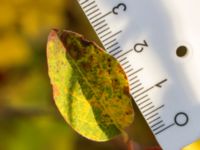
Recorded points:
(84, 2)
(103, 16)
(156, 119)
(103, 31)
(97, 24)
(112, 36)
(156, 85)
(91, 8)
(164, 129)
(109, 42)
(127, 67)
(144, 92)
(134, 82)
(124, 63)
(154, 110)
(154, 125)
(114, 49)
(111, 46)
(93, 17)
(123, 59)
(129, 76)
(162, 125)
(117, 53)
(152, 116)
(105, 34)
(93, 12)
(84, 7)
(104, 25)
(136, 86)
(143, 102)
(125, 53)
(137, 71)
(146, 105)
(148, 109)
(141, 98)
(130, 70)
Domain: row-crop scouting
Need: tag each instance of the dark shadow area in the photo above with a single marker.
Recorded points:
(73, 81)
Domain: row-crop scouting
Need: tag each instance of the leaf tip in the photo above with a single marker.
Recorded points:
(52, 34)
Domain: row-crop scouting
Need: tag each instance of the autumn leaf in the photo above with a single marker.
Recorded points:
(90, 88)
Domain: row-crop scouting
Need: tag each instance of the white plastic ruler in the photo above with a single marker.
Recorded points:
(157, 43)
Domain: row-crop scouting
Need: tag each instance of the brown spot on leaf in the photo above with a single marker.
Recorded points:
(86, 66)
(85, 43)
(126, 90)
(128, 112)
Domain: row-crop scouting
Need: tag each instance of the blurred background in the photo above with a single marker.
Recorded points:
(29, 119)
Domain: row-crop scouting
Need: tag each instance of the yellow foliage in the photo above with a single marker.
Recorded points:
(7, 17)
(194, 146)
(14, 51)
(22, 20)
(42, 18)
(29, 91)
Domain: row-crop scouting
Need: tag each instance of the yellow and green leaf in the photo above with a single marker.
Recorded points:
(89, 86)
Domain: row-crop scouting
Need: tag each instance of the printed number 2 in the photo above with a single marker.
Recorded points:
(119, 6)
(139, 47)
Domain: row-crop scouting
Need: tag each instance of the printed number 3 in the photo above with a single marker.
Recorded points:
(119, 6)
